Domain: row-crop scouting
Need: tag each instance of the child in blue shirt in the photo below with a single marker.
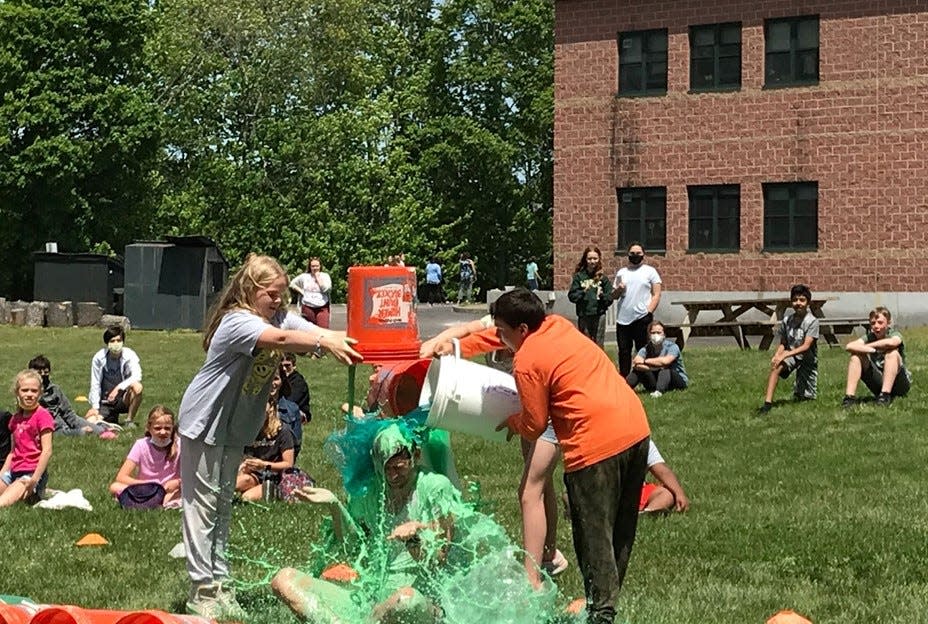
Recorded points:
(659, 365)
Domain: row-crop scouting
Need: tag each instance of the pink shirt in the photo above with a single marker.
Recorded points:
(153, 462)
(27, 438)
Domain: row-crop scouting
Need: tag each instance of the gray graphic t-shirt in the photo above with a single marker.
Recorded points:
(794, 330)
(224, 404)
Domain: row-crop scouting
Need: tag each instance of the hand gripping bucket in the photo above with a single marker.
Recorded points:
(467, 397)
(381, 314)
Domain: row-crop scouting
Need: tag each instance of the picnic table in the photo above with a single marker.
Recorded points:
(734, 320)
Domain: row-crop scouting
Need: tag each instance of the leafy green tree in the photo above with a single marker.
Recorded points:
(79, 131)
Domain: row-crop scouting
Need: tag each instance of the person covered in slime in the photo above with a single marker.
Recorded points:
(418, 550)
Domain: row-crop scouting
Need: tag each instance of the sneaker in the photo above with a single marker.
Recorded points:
(557, 564)
(656, 394)
(203, 601)
(849, 401)
(884, 399)
(129, 424)
(765, 408)
(229, 608)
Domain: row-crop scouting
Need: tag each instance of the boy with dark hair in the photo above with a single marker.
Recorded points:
(878, 359)
(299, 389)
(115, 380)
(602, 429)
(54, 400)
(798, 350)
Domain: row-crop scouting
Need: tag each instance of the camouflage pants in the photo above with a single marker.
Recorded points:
(603, 502)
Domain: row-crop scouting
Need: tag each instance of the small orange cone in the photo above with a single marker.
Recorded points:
(576, 606)
(787, 616)
(340, 573)
(92, 539)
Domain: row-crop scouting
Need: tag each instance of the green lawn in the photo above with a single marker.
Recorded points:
(811, 507)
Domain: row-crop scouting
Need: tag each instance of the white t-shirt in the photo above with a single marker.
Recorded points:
(315, 288)
(654, 456)
(638, 282)
(224, 404)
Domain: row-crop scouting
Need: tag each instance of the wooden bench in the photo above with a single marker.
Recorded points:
(829, 329)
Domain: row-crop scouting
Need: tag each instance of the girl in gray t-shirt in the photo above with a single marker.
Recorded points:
(223, 409)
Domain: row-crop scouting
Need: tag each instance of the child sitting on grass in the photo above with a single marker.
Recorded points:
(798, 350)
(54, 400)
(154, 458)
(270, 454)
(25, 470)
(878, 359)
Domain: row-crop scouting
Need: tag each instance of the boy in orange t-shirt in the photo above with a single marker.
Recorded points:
(601, 426)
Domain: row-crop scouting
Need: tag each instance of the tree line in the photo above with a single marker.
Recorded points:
(346, 129)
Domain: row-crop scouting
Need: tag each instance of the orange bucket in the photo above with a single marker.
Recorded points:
(69, 614)
(161, 617)
(381, 314)
(396, 387)
(14, 614)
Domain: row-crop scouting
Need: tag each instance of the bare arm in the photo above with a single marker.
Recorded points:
(655, 297)
(668, 479)
(46, 454)
(462, 330)
(307, 341)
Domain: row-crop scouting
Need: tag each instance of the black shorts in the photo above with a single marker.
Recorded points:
(110, 411)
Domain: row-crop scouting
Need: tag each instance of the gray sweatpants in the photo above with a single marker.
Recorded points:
(208, 476)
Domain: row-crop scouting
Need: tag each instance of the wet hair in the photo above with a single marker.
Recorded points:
(517, 306)
(40, 362)
(881, 310)
(239, 294)
(114, 331)
(156, 412)
(582, 266)
(800, 289)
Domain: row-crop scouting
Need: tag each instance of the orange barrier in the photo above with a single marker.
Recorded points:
(161, 617)
(14, 614)
(69, 614)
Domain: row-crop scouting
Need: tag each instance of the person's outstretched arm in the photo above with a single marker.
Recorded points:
(668, 479)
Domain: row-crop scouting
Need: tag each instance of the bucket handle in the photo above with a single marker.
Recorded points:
(456, 343)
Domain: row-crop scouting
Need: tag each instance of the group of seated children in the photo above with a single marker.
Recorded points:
(877, 359)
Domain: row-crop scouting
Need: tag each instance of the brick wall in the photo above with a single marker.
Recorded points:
(862, 133)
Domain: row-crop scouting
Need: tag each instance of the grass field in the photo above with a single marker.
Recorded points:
(813, 508)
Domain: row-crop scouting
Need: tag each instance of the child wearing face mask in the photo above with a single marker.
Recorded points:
(115, 380)
(659, 365)
(54, 400)
(155, 458)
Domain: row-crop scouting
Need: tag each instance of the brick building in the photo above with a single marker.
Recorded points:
(748, 144)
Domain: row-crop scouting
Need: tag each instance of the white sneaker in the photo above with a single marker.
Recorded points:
(656, 393)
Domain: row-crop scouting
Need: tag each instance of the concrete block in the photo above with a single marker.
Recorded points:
(18, 316)
(112, 319)
(35, 314)
(60, 314)
(88, 314)
(4, 311)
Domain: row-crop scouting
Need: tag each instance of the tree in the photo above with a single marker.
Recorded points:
(80, 131)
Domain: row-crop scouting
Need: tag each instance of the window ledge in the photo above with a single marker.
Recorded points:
(642, 94)
(713, 251)
(780, 250)
(732, 89)
(791, 85)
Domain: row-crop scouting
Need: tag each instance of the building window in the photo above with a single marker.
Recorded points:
(791, 216)
(715, 57)
(643, 218)
(715, 218)
(791, 49)
(643, 62)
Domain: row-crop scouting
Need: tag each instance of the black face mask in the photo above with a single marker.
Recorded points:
(635, 258)
(45, 381)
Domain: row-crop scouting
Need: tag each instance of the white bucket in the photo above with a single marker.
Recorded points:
(467, 397)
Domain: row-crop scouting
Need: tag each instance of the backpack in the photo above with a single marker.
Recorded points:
(142, 496)
(292, 480)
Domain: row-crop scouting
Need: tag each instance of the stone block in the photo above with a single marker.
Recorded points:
(60, 314)
(88, 314)
(18, 316)
(112, 319)
(4, 311)
(35, 314)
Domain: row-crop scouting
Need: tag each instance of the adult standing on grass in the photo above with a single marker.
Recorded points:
(637, 286)
(315, 287)
(601, 426)
(222, 411)
(591, 291)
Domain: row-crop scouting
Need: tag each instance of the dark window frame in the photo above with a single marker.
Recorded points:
(795, 50)
(648, 59)
(718, 53)
(795, 222)
(644, 195)
(715, 193)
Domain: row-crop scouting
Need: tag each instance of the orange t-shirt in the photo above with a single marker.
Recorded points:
(563, 374)
(485, 341)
